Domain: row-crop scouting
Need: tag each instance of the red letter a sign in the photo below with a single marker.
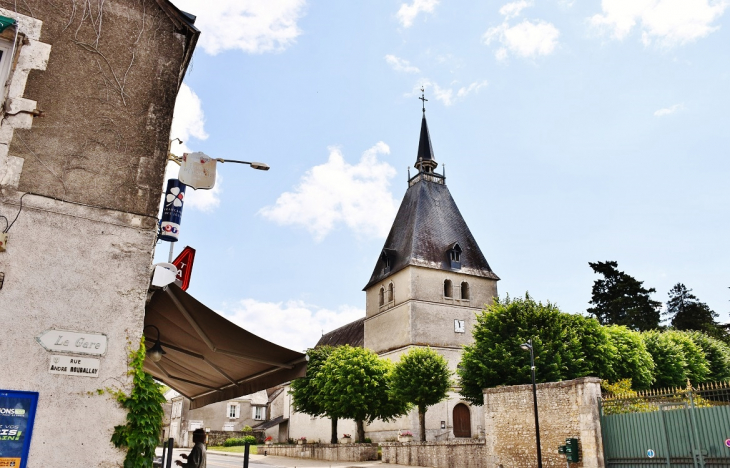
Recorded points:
(184, 264)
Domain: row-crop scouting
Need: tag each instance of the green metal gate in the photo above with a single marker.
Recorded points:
(674, 428)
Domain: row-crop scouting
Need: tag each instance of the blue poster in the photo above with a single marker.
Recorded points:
(172, 211)
(17, 413)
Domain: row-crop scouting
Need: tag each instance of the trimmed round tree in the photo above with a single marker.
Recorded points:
(422, 378)
(566, 347)
(632, 360)
(305, 394)
(669, 361)
(717, 354)
(354, 383)
(697, 367)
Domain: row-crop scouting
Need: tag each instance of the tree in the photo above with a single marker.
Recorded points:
(632, 360)
(620, 299)
(305, 394)
(717, 354)
(354, 383)
(688, 313)
(677, 359)
(421, 377)
(566, 347)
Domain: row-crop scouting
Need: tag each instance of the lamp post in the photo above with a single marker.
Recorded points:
(528, 347)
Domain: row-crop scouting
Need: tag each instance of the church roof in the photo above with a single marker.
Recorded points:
(352, 334)
(425, 150)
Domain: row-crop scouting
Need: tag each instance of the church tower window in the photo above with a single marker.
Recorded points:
(381, 298)
(464, 291)
(448, 289)
(454, 252)
(390, 292)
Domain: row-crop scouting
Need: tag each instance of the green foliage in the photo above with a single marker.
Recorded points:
(717, 354)
(234, 441)
(620, 299)
(144, 415)
(247, 428)
(353, 383)
(305, 394)
(632, 362)
(688, 313)
(566, 347)
(677, 358)
(421, 377)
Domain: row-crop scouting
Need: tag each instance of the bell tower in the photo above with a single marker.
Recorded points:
(430, 277)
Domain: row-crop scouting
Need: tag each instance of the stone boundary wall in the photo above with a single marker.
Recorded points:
(330, 452)
(219, 437)
(566, 409)
(458, 453)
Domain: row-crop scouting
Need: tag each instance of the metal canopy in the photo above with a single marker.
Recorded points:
(6, 22)
(208, 358)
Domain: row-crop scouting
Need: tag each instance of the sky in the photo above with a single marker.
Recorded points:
(571, 132)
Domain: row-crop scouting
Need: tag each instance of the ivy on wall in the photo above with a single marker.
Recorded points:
(140, 435)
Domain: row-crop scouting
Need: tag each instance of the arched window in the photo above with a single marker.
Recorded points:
(381, 297)
(390, 292)
(448, 289)
(465, 290)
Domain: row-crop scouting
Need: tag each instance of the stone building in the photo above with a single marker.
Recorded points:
(88, 91)
(429, 281)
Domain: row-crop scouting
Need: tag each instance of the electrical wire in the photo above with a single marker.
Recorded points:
(16, 216)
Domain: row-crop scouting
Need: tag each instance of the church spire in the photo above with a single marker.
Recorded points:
(425, 161)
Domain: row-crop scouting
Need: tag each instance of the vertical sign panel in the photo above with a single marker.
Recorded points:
(17, 413)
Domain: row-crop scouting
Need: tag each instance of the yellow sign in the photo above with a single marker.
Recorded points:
(9, 462)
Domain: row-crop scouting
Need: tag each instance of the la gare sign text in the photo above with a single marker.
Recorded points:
(73, 342)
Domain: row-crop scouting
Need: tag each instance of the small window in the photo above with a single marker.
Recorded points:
(448, 289)
(465, 291)
(233, 410)
(454, 255)
(390, 292)
(228, 427)
(177, 409)
(381, 298)
(259, 413)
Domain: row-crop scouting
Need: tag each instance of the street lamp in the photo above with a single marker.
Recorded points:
(254, 165)
(528, 347)
(155, 352)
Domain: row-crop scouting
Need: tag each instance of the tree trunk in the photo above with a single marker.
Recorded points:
(334, 431)
(422, 422)
(360, 431)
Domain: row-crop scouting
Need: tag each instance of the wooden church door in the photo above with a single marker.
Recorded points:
(462, 421)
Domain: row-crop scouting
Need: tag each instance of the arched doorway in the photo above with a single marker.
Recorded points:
(462, 421)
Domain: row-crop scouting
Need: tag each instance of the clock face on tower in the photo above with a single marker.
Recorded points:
(459, 326)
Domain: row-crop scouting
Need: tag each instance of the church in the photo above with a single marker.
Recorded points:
(429, 281)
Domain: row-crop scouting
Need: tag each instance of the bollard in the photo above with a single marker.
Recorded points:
(245, 454)
(170, 446)
(164, 449)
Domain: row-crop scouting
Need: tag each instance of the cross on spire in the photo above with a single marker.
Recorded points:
(423, 98)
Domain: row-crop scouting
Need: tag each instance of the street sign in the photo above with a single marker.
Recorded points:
(727, 443)
(71, 365)
(184, 264)
(197, 170)
(650, 453)
(66, 341)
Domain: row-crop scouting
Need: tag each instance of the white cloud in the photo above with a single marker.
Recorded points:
(526, 39)
(407, 13)
(669, 22)
(253, 26)
(400, 64)
(188, 121)
(512, 10)
(447, 96)
(357, 196)
(294, 324)
(668, 110)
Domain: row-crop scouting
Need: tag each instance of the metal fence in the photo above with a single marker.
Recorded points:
(679, 428)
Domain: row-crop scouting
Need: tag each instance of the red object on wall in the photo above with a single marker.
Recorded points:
(184, 264)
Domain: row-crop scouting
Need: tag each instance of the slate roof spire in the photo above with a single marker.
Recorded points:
(425, 161)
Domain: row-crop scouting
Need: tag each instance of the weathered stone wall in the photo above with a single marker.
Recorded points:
(465, 453)
(566, 409)
(331, 452)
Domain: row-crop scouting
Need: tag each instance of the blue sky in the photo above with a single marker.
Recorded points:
(571, 132)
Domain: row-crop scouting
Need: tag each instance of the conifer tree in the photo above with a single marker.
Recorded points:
(688, 313)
